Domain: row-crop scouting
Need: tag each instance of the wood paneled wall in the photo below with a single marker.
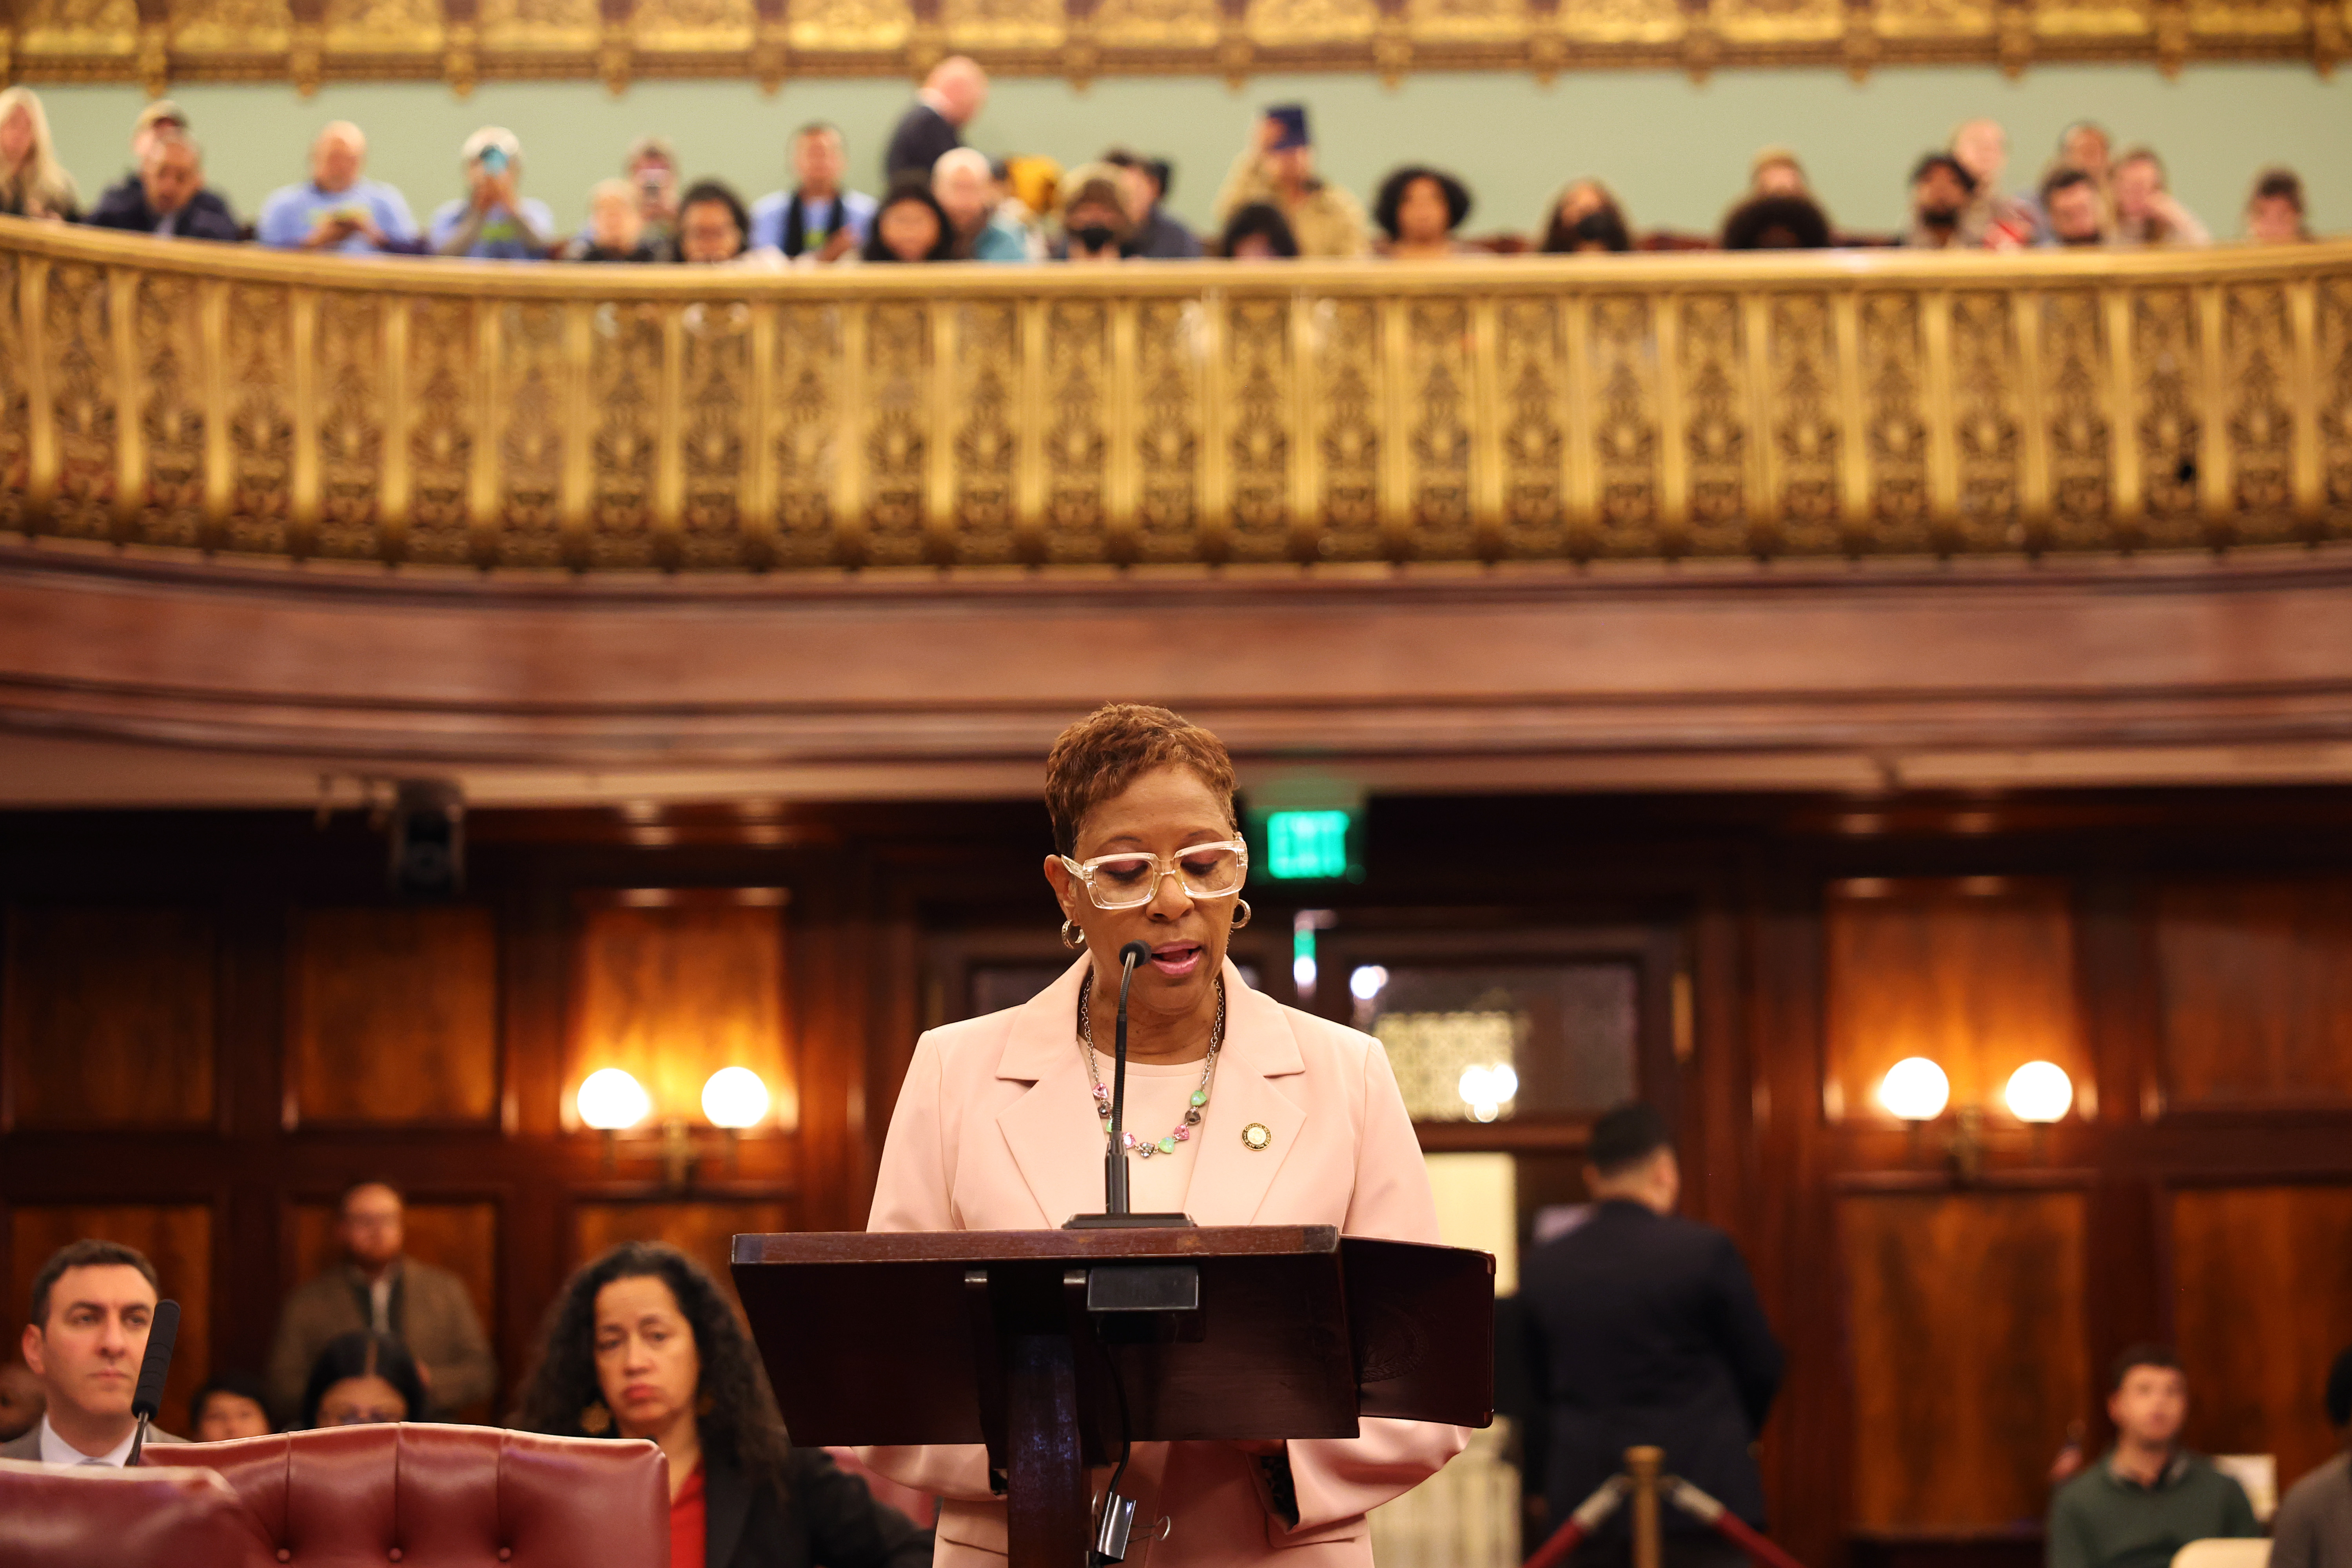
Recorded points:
(209, 1024)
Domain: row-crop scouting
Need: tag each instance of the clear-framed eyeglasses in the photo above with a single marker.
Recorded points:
(1123, 881)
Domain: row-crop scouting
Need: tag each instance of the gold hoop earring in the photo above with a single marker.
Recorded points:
(1241, 913)
(1074, 937)
(595, 1420)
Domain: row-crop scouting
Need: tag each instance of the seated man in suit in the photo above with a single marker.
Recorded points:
(1644, 1329)
(377, 1287)
(166, 197)
(84, 1339)
(2146, 1497)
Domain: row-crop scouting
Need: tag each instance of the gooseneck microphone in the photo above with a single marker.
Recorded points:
(162, 1332)
(1115, 1158)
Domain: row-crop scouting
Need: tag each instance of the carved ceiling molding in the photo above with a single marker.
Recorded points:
(461, 42)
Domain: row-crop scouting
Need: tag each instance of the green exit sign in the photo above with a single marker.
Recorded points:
(1302, 846)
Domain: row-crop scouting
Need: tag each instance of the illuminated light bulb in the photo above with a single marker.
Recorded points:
(1367, 980)
(1914, 1090)
(2040, 1092)
(610, 1100)
(735, 1097)
(1486, 1089)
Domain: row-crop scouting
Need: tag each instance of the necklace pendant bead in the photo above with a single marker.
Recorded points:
(1168, 1145)
(1199, 1097)
(1193, 1117)
(1182, 1134)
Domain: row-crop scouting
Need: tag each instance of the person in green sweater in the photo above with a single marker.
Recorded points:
(2146, 1497)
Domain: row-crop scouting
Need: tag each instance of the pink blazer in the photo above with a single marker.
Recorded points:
(996, 1130)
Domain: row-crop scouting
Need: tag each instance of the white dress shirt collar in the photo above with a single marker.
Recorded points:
(55, 1450)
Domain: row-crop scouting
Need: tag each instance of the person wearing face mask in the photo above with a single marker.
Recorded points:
(1095, 223)
(1239, 1111)
(1941, 189)
(642, 1343)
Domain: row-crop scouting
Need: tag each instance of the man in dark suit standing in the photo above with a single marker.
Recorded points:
(1644, 1329)
(952, 97)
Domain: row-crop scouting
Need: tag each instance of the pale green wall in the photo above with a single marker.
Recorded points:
(1677, 151)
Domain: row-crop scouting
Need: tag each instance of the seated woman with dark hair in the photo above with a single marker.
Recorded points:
(910, 226)
(1777, 223)
(230, 1404)
(1258, 232)
(1420, 209)
(363, 1377)
(714, 229)
(642, 1344)
(1585, 217)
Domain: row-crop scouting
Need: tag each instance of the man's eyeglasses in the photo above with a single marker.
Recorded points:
(1124, 881)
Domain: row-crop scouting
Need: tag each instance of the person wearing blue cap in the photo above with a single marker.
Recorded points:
(1278, 170)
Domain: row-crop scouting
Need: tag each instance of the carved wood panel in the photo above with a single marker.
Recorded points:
(704, 1231)
(1961, 1394)
(177, 1239)
(1978, 976)
(2263, 1302)
(2256, 989)
(395, 1015)
(108, 1018)
(462, 1237)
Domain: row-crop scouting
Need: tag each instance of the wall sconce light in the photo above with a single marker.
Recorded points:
(1486, 1089)
(1916, 1091)
(733, 1098)
(2039, 1094)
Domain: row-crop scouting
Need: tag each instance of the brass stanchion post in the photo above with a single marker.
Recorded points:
(1642, 1463)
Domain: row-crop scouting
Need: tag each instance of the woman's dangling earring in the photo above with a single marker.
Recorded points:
(1073, 936)
(1241, 913)
(595, 1420)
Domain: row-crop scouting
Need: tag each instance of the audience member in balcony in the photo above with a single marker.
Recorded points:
(21, 1401)
(1159, 235)
(714, 230)
(1258, 232)
(642, 1344)
(2314, 1527)
(1585, 217)
(338, 208)
(376, 1285)
(2146, 1497)
(963, 185)
(164, 118)
(228, 1406)
(1775, 171)
(1775, 223)
(912, 226)
(2274, 211)
(1994, 218)
(1094, 223)
(1419, 209)
(817, 219)
(651, 169)
(1941, 191)
(2145, 210)
(2073, 210)
(492, 222)
(1277, 168)
(952, 97)
(1644, 1327)
(85, 1335)
(616, 228)
(162, 200)
(362, 1379)
(33, 183)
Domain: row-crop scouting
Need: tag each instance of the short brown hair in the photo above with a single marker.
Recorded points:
(1102, 753)
(87, 1253)
(2140, 1355)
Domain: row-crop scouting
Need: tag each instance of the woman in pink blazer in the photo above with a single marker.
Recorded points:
(1240, 1112)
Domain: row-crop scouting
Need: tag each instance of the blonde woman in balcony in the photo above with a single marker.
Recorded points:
(33, 183)
(1245, 1112)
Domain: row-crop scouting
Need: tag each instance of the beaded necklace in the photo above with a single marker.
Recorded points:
(1144, 1148)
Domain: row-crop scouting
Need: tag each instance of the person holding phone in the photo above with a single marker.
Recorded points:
(492, 222)
(338, 208)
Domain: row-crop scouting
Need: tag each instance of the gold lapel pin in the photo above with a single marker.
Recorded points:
(1256, 1136)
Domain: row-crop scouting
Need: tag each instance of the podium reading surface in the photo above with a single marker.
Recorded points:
(1032, 1343)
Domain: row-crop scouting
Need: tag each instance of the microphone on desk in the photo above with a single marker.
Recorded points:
(163, 1330)
(1115, 1157)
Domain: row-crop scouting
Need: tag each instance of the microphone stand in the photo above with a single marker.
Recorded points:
(1117, 1215)
(147, 1395)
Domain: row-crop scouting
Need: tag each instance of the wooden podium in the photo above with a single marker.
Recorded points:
(1048, 1345)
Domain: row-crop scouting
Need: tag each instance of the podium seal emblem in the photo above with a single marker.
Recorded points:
(1256, 1136)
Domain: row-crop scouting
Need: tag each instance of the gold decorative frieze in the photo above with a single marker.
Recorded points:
(1864, 404)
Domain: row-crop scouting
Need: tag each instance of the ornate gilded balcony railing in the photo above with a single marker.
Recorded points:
(222, 399)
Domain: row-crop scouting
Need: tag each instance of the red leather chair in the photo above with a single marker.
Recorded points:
(443, 1497)
(91, 1514)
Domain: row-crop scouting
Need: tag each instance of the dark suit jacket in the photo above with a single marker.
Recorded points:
(1645, 1327)
(124, 206)
(923, 133)
(826, 1517)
